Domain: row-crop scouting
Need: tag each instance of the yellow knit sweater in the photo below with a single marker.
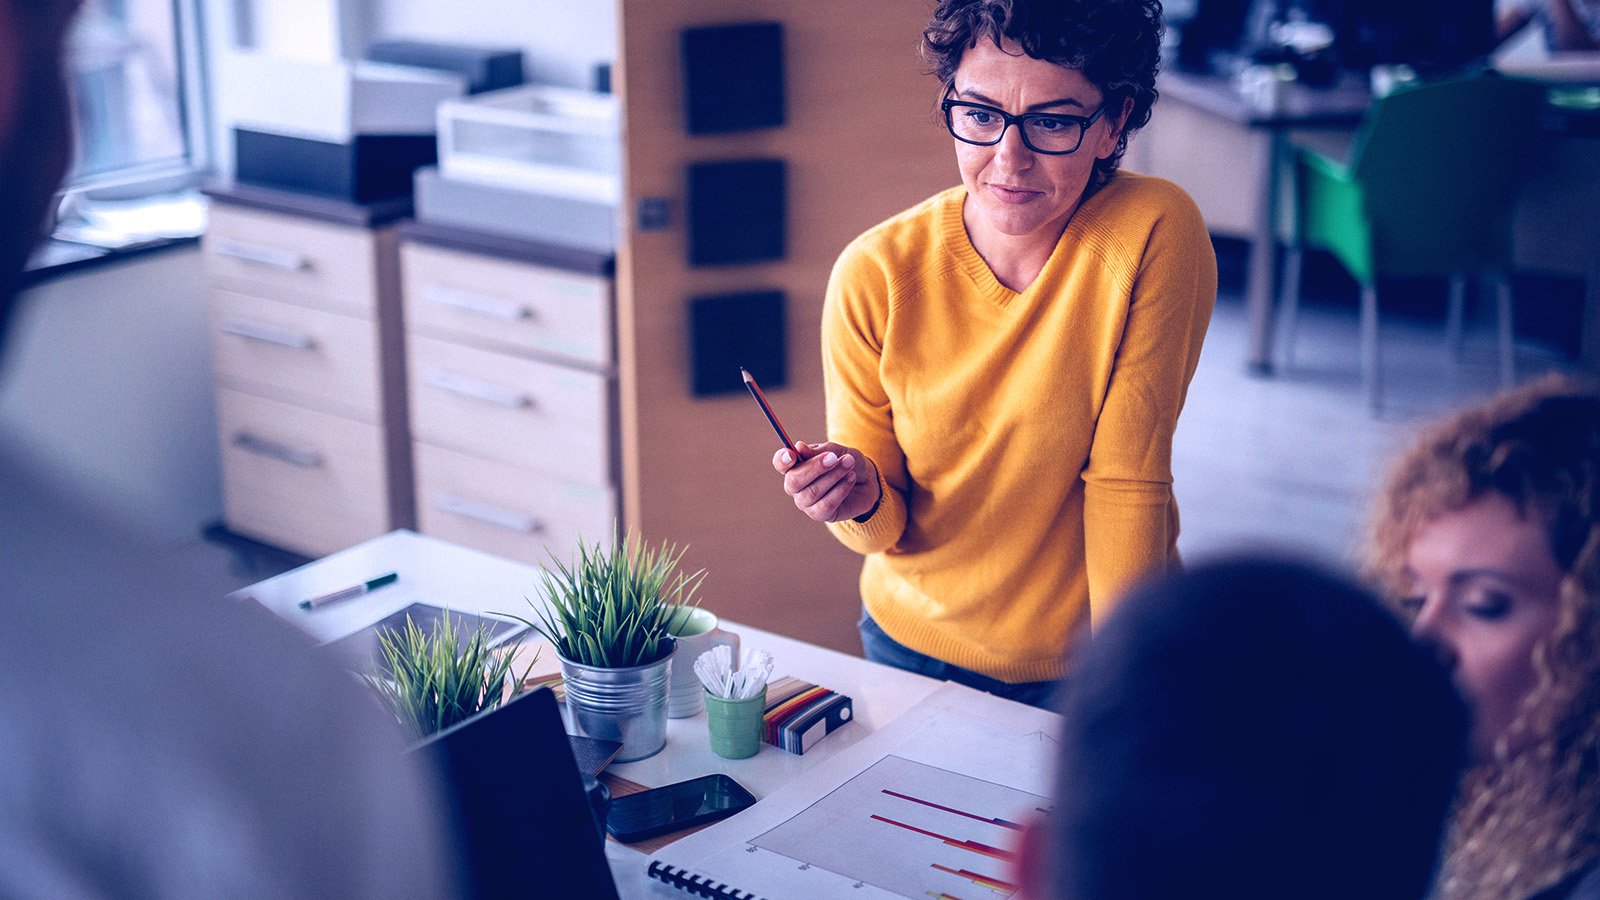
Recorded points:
(1024, 440)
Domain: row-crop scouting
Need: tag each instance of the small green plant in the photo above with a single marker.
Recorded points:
(612, 607)
(434, 680)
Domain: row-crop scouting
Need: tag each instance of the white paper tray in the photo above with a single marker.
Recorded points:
(330, 101)
(547, 140)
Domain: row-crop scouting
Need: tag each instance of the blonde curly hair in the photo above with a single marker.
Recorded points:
(1527, 819)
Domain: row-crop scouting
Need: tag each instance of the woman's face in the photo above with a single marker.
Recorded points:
(1011, 190)
(1484, 593)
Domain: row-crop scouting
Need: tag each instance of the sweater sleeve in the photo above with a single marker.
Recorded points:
(1130, 522)
(854, 318)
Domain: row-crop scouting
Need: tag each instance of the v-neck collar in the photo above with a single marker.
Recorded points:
(971, 263)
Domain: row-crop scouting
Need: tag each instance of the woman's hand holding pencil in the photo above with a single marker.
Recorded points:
(829, 482)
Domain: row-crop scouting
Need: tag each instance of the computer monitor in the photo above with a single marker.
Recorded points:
(523, 824)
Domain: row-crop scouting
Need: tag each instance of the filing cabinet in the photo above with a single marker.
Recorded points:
(307, 340)
(512, 391)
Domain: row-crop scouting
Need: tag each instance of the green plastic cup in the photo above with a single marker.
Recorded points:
(735, 724)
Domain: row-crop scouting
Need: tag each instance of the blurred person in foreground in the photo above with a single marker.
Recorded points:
(156, 743)
(1250, 730)
(1487, 538)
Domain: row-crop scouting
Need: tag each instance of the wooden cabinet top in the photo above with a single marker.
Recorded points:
(586, 262)
(311, 206)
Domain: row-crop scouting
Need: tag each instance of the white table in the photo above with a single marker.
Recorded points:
(466, 580)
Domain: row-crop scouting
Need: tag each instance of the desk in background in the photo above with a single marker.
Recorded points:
(1233, 159)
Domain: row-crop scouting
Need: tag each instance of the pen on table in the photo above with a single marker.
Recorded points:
(755, 391)
(354, 590)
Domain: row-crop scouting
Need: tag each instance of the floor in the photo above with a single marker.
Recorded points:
(1292, 461)
(1286, 462)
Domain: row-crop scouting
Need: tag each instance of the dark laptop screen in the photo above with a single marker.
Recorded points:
(523, 825)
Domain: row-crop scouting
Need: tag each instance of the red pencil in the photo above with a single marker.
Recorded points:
(755, 391)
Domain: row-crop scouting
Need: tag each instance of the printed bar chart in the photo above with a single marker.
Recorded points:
(974, 846)
(1001, 822)
(911, 829)
(975, 878)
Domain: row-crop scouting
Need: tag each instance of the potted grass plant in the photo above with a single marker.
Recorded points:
(609, 614)
(432, 680)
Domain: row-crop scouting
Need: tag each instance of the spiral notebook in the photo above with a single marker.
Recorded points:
(931, 804)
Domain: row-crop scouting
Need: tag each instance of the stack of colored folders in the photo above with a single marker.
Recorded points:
(800, 713)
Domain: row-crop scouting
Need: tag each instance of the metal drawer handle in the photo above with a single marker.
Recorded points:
(266, 256)
(260, 446)
(492, 515)
(471, 301)
(477, 390)
(267, 334)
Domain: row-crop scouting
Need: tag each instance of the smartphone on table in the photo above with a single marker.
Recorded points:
(634, 817)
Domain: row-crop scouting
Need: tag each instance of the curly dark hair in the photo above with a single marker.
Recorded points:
(1116, 44)
(1528, 818)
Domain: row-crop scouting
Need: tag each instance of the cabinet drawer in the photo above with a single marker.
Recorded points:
(292, 258)
(547, 418)
(300, 479)
(324, 359)
(516, 305)
(506, 510)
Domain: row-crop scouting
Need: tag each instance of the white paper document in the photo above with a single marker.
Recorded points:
(931, 805)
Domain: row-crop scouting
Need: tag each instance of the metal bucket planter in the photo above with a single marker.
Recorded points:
(626, 705)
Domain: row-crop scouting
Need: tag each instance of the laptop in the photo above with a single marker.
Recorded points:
(523, 824)
(361, 650)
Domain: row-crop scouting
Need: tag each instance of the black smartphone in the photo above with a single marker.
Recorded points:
(634, 817)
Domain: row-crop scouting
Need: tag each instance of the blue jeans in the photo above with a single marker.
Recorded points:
(880, 648)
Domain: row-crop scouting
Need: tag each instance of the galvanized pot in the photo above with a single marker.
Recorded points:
(626, 705)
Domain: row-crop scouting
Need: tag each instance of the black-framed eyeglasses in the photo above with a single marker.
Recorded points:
(1055, 134)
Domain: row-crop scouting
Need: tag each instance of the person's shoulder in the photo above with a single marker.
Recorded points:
(1136, 220)
(1140, 201)
(1132, 214)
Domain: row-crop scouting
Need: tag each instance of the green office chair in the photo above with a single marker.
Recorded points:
(1430, 191)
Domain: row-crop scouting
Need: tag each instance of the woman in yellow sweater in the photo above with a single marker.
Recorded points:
(1005, 362)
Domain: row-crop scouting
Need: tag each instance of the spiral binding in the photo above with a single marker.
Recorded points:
(684, 880)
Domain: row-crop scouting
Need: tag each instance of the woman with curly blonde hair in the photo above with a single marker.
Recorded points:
(1487, 537)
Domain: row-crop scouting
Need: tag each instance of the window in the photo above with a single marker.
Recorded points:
(132, 68)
